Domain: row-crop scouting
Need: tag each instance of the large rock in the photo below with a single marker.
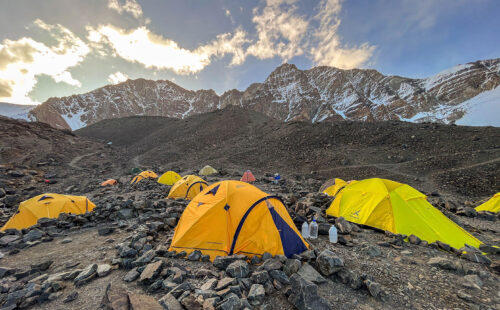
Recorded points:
(169, 302)
(256, 294)
(329, 263)
(5, 240)
(443, 263)
(222, 262)
(151, 272)
(304, 295)
(86, 275)
(308, 273)
(32, 235)
(103, 270)
(238, 269)
(343, 226)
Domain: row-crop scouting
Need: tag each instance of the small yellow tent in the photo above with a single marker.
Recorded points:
(207, 170)
(143, 175)
(398, 208)
(492, 205)
(47, 205)
(169, 178)
(187, 187)
(234, 217)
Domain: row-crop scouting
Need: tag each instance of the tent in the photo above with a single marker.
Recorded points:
(169, 178)
(187, 187)
(109, 182)
(234, 217)
(135, 170)
(248, 177)
(47, 205)
(331, 187)
(143, 175)
(398, 208)
(207, 170)
(492, 205)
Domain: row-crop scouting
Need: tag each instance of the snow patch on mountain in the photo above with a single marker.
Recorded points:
(17, 111)
(482, 110)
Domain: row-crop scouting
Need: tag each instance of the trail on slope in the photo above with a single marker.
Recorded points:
(75, 160)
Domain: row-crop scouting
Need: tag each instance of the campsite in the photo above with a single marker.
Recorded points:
(170, 225)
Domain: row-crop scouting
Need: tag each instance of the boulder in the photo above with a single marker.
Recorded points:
(238, 269)
(222, 262)
(151, 272)
(169, 302)
(256, 294)
(328, 263)
(308, 273)
(304, 295)
(143, 302)
(32, 235)
(260, 277)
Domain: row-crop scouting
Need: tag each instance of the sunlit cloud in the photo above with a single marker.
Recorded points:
(117, 77)
(326, 46)
(128, 6)
(154, 51)
(22, 61)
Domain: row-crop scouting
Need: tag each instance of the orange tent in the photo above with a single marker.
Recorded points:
(248, 177)
(109, 182)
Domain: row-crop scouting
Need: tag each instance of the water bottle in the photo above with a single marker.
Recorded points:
(313, 230)
(305, 230)
(333, 234)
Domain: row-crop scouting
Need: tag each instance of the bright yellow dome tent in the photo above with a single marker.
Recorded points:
(47, 205)
(234, 217)
(207, 170)
(169, 178)
(187, 187)
(332, 186)
(143, 175)
(398, 208)
(492, 205)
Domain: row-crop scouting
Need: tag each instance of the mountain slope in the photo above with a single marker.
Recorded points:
(17, 111)
(318, 94)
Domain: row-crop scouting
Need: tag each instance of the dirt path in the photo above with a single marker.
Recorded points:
(73, 162)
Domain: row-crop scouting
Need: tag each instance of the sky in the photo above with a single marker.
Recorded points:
(54, 48)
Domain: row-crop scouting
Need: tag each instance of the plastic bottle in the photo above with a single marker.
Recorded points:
(305, 230)
(332, 233)
(313, 230)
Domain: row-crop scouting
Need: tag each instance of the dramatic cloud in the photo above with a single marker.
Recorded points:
(153, 51)
(280, 31)
(127, 6)
(22, 61)
(117, 77)
(327, 48)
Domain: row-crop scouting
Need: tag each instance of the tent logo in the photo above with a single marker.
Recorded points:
(355, 214)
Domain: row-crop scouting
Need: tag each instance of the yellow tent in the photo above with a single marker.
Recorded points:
(207, 170)
(169, 178)
(47, 205)
(398, 208)
(492, 205)
(234, 217)
(143, 175)
(187, 187)
(331, 187)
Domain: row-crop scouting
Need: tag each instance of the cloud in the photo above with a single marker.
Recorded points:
(280, 31)
(117, 77)
(327, 48)
(154, 51)
(127, 6)
(22, 61)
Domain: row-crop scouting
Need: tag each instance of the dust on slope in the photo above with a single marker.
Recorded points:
(428, 156)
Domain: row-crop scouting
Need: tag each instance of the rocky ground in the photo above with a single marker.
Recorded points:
(117, 256)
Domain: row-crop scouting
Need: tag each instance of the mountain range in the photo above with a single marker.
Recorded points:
(465, 94)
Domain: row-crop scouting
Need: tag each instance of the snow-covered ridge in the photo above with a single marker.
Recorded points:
(17, 111)
(288, 94)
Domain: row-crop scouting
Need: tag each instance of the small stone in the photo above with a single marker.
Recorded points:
(151, 271)
(71, 296)
(256, 294)
(372, 251)
(414, 239)
(443, 263)
(86, 275)
(328, 263)
(238, 269)
(292, 266)
(104, 231)
(132, 275)
(195, 256)
(222, 262)
(308, 273)
(66, 240)
(373, 287)
(260, 277)
(225, 282)
(280, 276)
(103, 270)
(209, 285)
(143, 302)
(271, 264)
(32, 235)
(343, 226)
(304, 295)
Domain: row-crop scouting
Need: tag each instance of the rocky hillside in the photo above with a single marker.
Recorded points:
(318, 94)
